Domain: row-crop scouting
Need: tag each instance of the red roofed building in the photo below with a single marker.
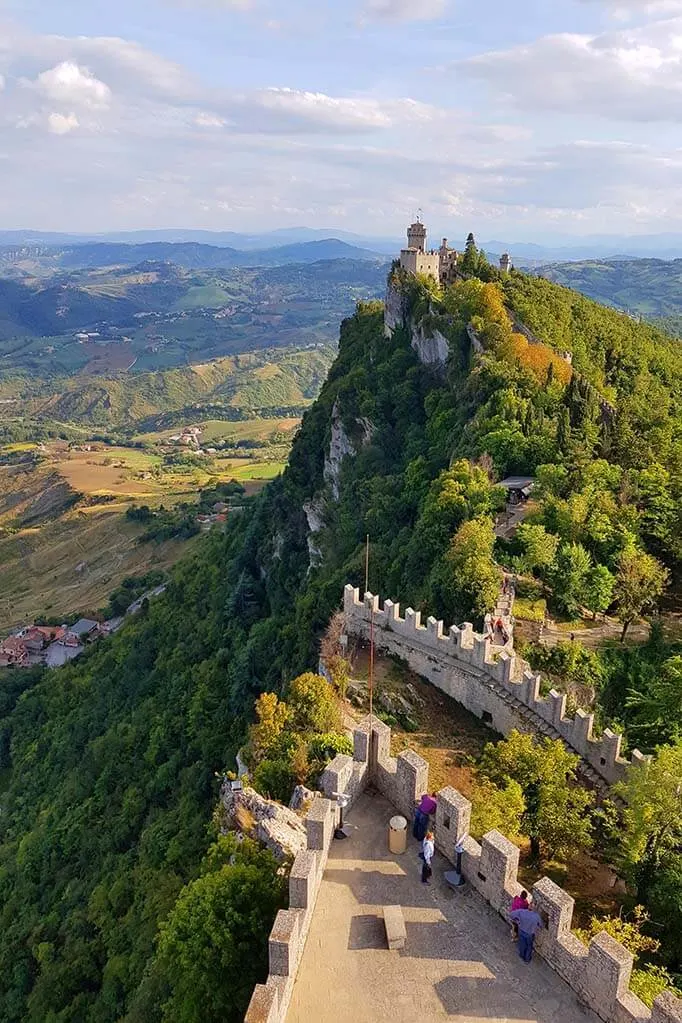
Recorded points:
(13, 653)
(37, 637)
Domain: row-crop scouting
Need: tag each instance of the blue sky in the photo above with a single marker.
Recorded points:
(527, 120)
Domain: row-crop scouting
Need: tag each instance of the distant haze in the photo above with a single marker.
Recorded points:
(332, 243)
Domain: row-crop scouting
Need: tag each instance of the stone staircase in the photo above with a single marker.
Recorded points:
(502, 612)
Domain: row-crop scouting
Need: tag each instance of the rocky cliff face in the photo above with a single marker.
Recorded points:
(314, 513)
(276, 826)
(432, 349)
(340, 447)
(395, 310)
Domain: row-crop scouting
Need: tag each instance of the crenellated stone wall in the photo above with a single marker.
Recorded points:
(270, 1001)
(490, 684)
(598, 973)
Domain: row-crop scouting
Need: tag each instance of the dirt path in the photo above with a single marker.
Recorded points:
(596, 635)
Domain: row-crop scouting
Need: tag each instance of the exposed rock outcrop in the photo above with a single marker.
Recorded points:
(431, 345)
(313, 511)
(395, 310)
(301, 798)
(276, 826)
(340, 446)
(432, 349)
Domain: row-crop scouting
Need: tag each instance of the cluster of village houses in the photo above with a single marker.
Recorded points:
(52, 645)
(191, 438)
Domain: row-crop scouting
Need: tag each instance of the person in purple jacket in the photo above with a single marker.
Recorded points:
(529, 923)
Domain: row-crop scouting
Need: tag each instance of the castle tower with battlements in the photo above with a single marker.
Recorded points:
(415, 257)
(416, 236)
(441, 264)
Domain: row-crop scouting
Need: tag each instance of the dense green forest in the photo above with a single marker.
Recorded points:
(109, 765)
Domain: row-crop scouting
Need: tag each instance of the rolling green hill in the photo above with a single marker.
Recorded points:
(237, 387)
(647, 287)
(157, 316)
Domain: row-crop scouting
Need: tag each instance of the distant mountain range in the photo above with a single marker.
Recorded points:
(564, 247)
(37, 257)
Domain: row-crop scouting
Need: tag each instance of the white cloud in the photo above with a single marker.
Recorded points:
(162, 148)
(406, 10)
(630, 8)
(633, 74)
(61, 124)
(204, 120)
(70, 84)
(285, 109)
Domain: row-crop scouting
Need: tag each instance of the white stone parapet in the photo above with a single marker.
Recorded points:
(468, 667)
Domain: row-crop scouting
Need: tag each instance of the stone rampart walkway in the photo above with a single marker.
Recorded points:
(458, 964)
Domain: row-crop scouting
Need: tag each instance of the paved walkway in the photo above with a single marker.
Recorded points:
(458, 964)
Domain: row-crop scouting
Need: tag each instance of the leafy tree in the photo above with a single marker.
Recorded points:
(556, 818)
(468, 580)
(598, 592)
(658, 710)
(497, 808)
(326, 746)
(627, 931)
(563, 437)
(211, 948)
(322, 749)
(470, 259)
(652, 814)
(664, 897)
(571, 577)
(312, 703)
(539, 547)
(273, 716)
(640, 582)
(276, 778)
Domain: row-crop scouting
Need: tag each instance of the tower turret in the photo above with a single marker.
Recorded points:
(505, 263)
(416, 236)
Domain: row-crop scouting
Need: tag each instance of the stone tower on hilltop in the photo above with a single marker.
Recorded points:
(441, 264)
(416, 236)
(415, 258)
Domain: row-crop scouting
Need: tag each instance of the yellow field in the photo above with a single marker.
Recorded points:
(73, 563)
(121, 472)
(68, 559)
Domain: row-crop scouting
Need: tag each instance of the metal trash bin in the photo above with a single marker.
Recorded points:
(397, 834)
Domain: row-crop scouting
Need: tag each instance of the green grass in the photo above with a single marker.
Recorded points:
(207, 296)
(528, 609)
(256, 471)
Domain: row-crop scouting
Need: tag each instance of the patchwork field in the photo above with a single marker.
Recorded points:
(65, 541)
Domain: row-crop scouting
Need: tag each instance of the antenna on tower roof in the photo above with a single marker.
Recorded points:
(419, 215)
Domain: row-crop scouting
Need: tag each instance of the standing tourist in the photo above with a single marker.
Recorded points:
(428, 849)
(529, 923)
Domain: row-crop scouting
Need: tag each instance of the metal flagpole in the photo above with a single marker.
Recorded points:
(370, 677)
(370, 680)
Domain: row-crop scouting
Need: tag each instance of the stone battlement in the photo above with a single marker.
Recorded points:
(598, 973)
(270, 1001)
(490, 684)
